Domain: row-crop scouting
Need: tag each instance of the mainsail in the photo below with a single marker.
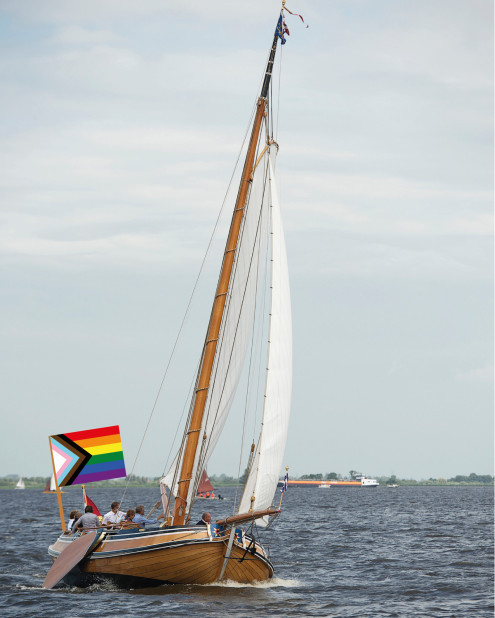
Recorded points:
(262, 220)
(265, 469)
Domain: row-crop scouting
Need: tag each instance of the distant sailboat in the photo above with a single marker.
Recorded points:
(20, 484)
(205, 488)
(50, 487)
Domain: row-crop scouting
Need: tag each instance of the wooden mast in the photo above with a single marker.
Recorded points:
(59, 497)
(210, 346)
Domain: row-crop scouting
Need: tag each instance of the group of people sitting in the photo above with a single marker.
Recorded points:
(114, 517)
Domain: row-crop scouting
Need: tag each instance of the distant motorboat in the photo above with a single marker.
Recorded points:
(366, 482)
(20, 484)
(393, 485)
(324, 486)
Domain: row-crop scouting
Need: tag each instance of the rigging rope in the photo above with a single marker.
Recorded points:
(215, 227)
(279, 88)
(195, 481)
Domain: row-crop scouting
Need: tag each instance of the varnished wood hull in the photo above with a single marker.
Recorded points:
(174, 556)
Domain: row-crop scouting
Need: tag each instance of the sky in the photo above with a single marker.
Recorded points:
(121, 121)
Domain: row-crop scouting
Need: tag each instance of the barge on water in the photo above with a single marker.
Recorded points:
(363, 482)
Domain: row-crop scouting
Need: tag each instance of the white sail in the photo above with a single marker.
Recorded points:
(267, 463)
(236, 329)
(53, 487)
(20, 484)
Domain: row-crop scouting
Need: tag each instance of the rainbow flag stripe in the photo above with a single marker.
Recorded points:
(88, 456)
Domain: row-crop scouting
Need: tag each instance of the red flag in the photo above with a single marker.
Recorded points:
(89, 502)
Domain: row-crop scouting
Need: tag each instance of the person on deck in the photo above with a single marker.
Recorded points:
(129, 516)
(114, 516)
(74, 515)
(77, 515)
(143, 521)
(206, 519)
(88, 520)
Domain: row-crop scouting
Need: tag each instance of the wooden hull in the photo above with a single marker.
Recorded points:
(178, 555)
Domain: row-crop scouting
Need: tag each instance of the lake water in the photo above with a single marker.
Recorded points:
(410, 551)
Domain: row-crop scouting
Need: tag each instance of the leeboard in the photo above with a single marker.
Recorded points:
(68, 559)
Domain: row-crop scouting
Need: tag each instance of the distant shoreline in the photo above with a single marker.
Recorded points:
(223, 480)
(153, 485)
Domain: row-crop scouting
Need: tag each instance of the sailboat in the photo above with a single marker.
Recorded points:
(180, 551)
(20, 484)
(205, 488)
(50, 487)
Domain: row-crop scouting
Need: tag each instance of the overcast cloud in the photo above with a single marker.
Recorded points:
(121, 122)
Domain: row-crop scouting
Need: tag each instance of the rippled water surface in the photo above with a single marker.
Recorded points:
(410, 551)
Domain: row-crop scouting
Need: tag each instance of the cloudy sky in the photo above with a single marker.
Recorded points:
(121, 123)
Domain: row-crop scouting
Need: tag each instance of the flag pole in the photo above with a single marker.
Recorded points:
(59, 495)
(83, 487)
(284, 489)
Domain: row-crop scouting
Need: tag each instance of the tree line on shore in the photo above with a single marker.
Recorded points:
(223, 480)
(39, 482)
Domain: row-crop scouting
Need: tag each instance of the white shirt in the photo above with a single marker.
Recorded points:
(113, 518)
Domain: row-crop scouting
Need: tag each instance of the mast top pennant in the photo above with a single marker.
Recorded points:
(296, 14)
